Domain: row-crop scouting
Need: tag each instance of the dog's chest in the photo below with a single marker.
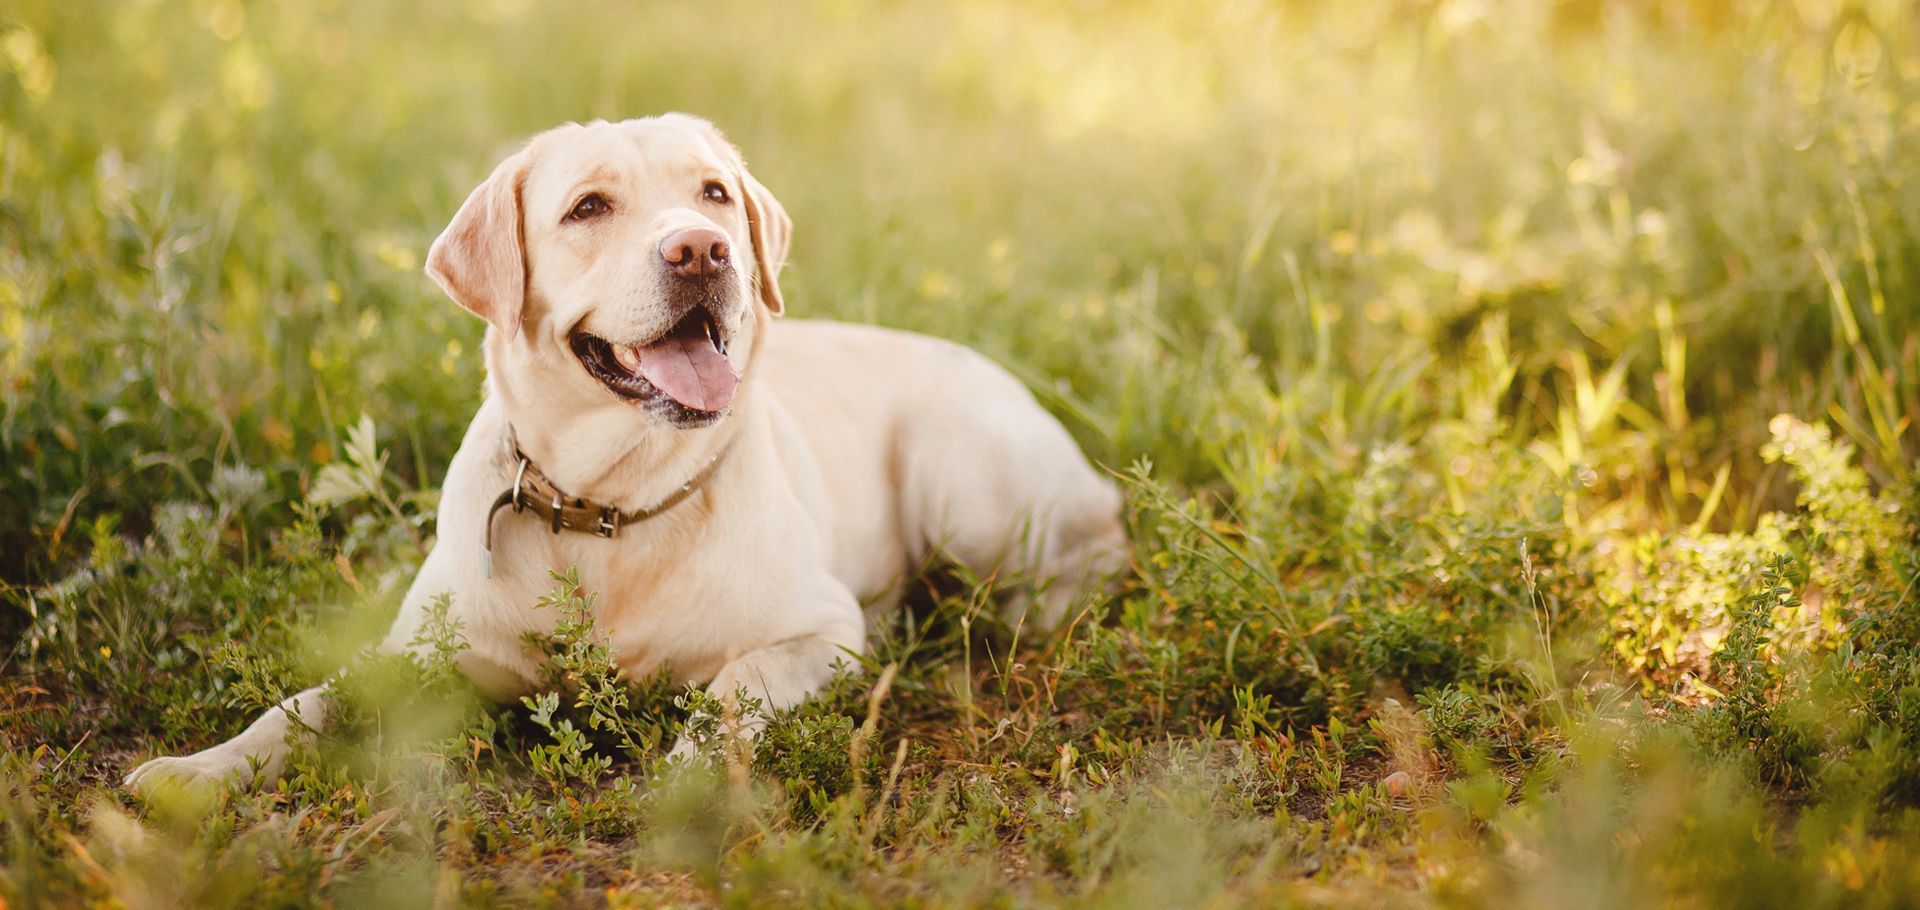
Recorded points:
(686, 605)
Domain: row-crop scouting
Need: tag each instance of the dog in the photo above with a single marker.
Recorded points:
(734, 486)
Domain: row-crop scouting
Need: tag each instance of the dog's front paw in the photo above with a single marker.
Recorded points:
(684, 751)
(211, 767)
(683, 760)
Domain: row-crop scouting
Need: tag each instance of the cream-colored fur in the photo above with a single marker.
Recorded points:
(853, 453)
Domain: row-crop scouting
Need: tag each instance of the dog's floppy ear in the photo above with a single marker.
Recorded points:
(772, 230)
(480, 260)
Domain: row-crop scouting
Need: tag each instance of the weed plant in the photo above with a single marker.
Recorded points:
(1515, 403)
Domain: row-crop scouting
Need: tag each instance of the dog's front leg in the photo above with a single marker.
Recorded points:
(260, 749)
(259, 753)
(779, 676)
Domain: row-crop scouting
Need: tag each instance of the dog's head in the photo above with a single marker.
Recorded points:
(623, 266)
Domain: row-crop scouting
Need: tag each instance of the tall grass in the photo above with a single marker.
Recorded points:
(1516, 403)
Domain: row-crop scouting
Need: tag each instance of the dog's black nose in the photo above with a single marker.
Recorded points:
(695, 252)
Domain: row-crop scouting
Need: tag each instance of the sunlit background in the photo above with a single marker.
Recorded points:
(1399, 304)
(1164, 206)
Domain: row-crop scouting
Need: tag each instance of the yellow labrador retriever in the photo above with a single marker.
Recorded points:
(733, 487)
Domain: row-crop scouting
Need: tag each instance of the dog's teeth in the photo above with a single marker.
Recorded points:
(628, 356)
(713, 338)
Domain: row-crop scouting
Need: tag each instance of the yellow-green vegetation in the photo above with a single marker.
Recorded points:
(1515, 401)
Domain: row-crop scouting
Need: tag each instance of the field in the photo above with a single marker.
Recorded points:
(1515, 403)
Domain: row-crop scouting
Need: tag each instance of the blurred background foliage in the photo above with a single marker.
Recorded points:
(1515, 396)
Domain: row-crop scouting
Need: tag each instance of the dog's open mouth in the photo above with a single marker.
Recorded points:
(688, 364)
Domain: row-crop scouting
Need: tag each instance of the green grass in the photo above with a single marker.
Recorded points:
(1515, 402)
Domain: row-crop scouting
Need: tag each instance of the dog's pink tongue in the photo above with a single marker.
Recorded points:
(690, 371)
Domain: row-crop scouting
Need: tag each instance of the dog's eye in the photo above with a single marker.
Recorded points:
(716, 192)
(593, 204)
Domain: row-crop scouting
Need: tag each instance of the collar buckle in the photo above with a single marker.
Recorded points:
(519, 485)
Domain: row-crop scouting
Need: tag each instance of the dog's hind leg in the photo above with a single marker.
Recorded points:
(997, 484)
(1067, 554)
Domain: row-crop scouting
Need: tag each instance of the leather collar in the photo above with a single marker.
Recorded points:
(532, 491)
